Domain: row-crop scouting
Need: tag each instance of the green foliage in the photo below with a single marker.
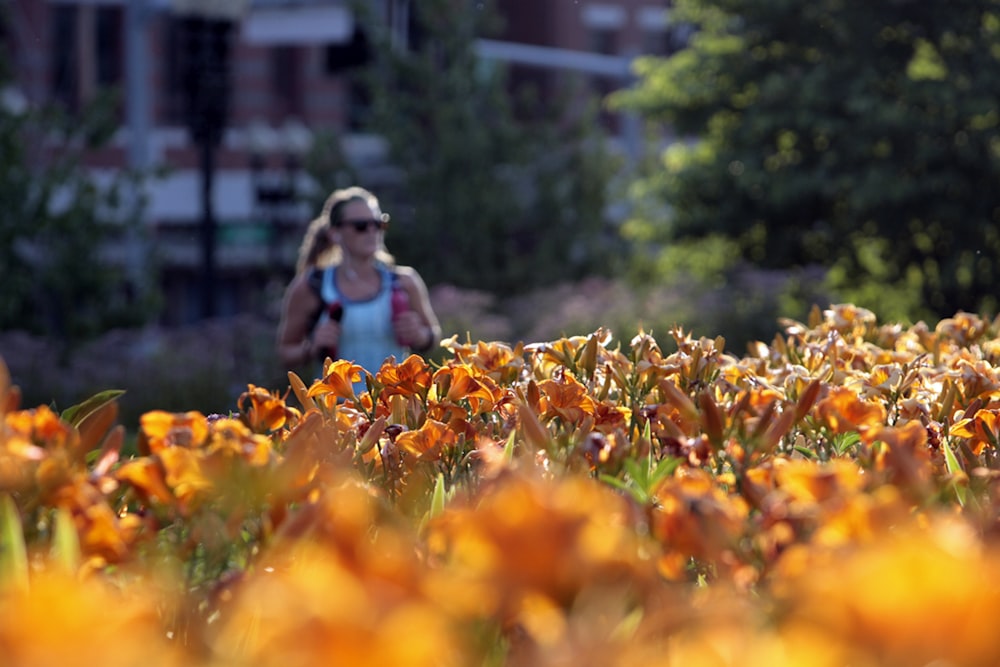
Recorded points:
(56, 222)
(860, 136)
(497, 198)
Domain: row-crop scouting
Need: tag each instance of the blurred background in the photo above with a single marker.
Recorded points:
(550, 167)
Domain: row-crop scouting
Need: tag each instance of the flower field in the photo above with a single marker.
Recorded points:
(830, 497)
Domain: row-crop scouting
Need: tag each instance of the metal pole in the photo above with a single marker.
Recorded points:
(208, 225)
(138, 113)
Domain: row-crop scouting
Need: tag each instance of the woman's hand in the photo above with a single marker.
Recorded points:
(326, 340)
(411, 330)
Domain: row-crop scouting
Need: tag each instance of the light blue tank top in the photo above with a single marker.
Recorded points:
(366, 336)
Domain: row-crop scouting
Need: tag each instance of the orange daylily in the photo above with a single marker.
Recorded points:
(982, 430)
(42, 427)
(964, 328)
(463, 382)
(411, 377)
(843, 411)
(906, 457)
(849, 319)
(338, 380)
(526, 536)
(73, 622)
(498, 360)
(566, 398)
(266, 411)
(159, 430)
(427, 442)
(811, 482)
(978, 379)
(231, 436)
(556, 355)
(609, 417)
(185, 475)
(147, 477)
(694, 518)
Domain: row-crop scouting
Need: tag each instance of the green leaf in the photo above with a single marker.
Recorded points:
(13, 553)
(638, 494)
(66, 543)
(508, 448)
(805, 451)
(75, 414)
(844, 441)
(951, 462)
(437, 498)
(665, 468)
(638, 473)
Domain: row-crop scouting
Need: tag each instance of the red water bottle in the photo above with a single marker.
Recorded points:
(335, 311)
(400, 301)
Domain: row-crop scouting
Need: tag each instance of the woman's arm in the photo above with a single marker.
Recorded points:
(298, 314)
(423, 330)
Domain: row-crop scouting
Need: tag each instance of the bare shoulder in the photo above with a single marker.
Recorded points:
(408, 276)
(300, 291)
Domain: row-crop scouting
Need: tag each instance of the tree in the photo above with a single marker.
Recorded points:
(861, 136)
(56, 222)
(500, 194)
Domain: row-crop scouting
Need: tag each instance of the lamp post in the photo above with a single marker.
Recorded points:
(276, 191)
(205, 30)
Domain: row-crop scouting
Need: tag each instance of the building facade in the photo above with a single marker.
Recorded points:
(288, 67)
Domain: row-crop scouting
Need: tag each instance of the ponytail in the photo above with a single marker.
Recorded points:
(316, 249)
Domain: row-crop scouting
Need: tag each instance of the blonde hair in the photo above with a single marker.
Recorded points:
(317, 250)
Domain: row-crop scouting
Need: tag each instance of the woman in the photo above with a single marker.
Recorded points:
(348, 299)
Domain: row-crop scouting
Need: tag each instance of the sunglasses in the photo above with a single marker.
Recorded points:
(361, 226)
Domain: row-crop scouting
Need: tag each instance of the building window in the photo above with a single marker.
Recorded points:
(63, 56)
(348, 55)
(86, 52)
(346, 60)
(286, 80)
(603, 23)
(108, 46)
(602, 40)
(173, 94)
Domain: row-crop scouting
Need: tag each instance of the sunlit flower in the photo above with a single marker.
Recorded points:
(843, 411)
(338, 380)
(427, 442)
(159, 430)
(964, 328)
(499, 360)
(565, 398)
(79, 623)
(846, 318)
(982, 430)
(694, 518)
(411, 377)
(264, 411)
(466, 383)
(912, 596)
